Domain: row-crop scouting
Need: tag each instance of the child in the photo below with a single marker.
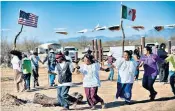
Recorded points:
(136, 58)
(110, 59)
(27, 70)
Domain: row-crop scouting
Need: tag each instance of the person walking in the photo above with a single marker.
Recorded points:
(64, 71)
(110, 60)
(163, 68)
(27, 71)
(35, 65)
(91, 81)
(171, 60)
(126, 71)
(16, 63)
(136, 58)
(51, 59)
(149, 62)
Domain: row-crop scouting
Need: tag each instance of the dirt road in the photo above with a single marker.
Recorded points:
(165, 101)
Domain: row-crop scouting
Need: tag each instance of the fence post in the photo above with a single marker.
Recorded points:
(100, 50)
(93, 47)
(142, 44)
(169, 46)
(96, 50)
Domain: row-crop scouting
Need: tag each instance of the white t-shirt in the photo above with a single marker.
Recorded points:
(126, 70)
(68, 58)
(16, 63)
(91, 75)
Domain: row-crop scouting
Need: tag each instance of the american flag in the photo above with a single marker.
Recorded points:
(27, 19)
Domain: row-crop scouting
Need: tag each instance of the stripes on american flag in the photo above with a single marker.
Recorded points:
(31, 21)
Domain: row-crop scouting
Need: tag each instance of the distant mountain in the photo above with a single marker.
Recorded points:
(166, 33)
(103, 38)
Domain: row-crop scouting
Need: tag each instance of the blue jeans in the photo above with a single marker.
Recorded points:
(27, 80)
(148, 82)
(52, 79)
(111, 74)
(172, 79)
(63, 97)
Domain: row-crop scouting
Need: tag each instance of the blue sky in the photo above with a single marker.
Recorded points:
(76, 16)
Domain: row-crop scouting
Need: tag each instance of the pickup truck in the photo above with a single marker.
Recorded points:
(73, 52)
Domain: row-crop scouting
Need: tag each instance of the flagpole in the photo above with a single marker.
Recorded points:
(123, 38)
(14, 45)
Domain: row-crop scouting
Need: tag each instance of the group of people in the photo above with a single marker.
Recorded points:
(24, 67)
(154, 64)
(127, 67)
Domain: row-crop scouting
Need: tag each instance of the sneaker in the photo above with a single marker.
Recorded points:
(152, 97)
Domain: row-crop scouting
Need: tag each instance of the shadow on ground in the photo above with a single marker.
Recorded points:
(120, 103)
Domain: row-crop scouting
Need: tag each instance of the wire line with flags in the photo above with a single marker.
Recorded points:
(28, 19)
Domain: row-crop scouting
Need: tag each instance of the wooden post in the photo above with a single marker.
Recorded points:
(142, 44)
(96, 50)
(99, 50)
(76, 56)
(102, 57)
(169, 46)
(123, 38)
(93, 47)
(14, 45)
(123, 33)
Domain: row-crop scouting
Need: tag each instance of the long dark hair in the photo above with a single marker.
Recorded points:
(136, 52)
(148, 48)
(16, 53)
(162, 45)
(129, 53)
(90, 58)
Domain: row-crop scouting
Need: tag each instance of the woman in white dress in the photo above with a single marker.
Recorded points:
(126, 71)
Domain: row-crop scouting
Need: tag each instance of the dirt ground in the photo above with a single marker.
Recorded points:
(165, 100)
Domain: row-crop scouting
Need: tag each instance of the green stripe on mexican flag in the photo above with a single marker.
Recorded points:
(128, 13)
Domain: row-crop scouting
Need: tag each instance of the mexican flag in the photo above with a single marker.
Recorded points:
(128, 13)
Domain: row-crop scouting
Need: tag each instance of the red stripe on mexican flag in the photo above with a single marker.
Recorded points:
(128, 13)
